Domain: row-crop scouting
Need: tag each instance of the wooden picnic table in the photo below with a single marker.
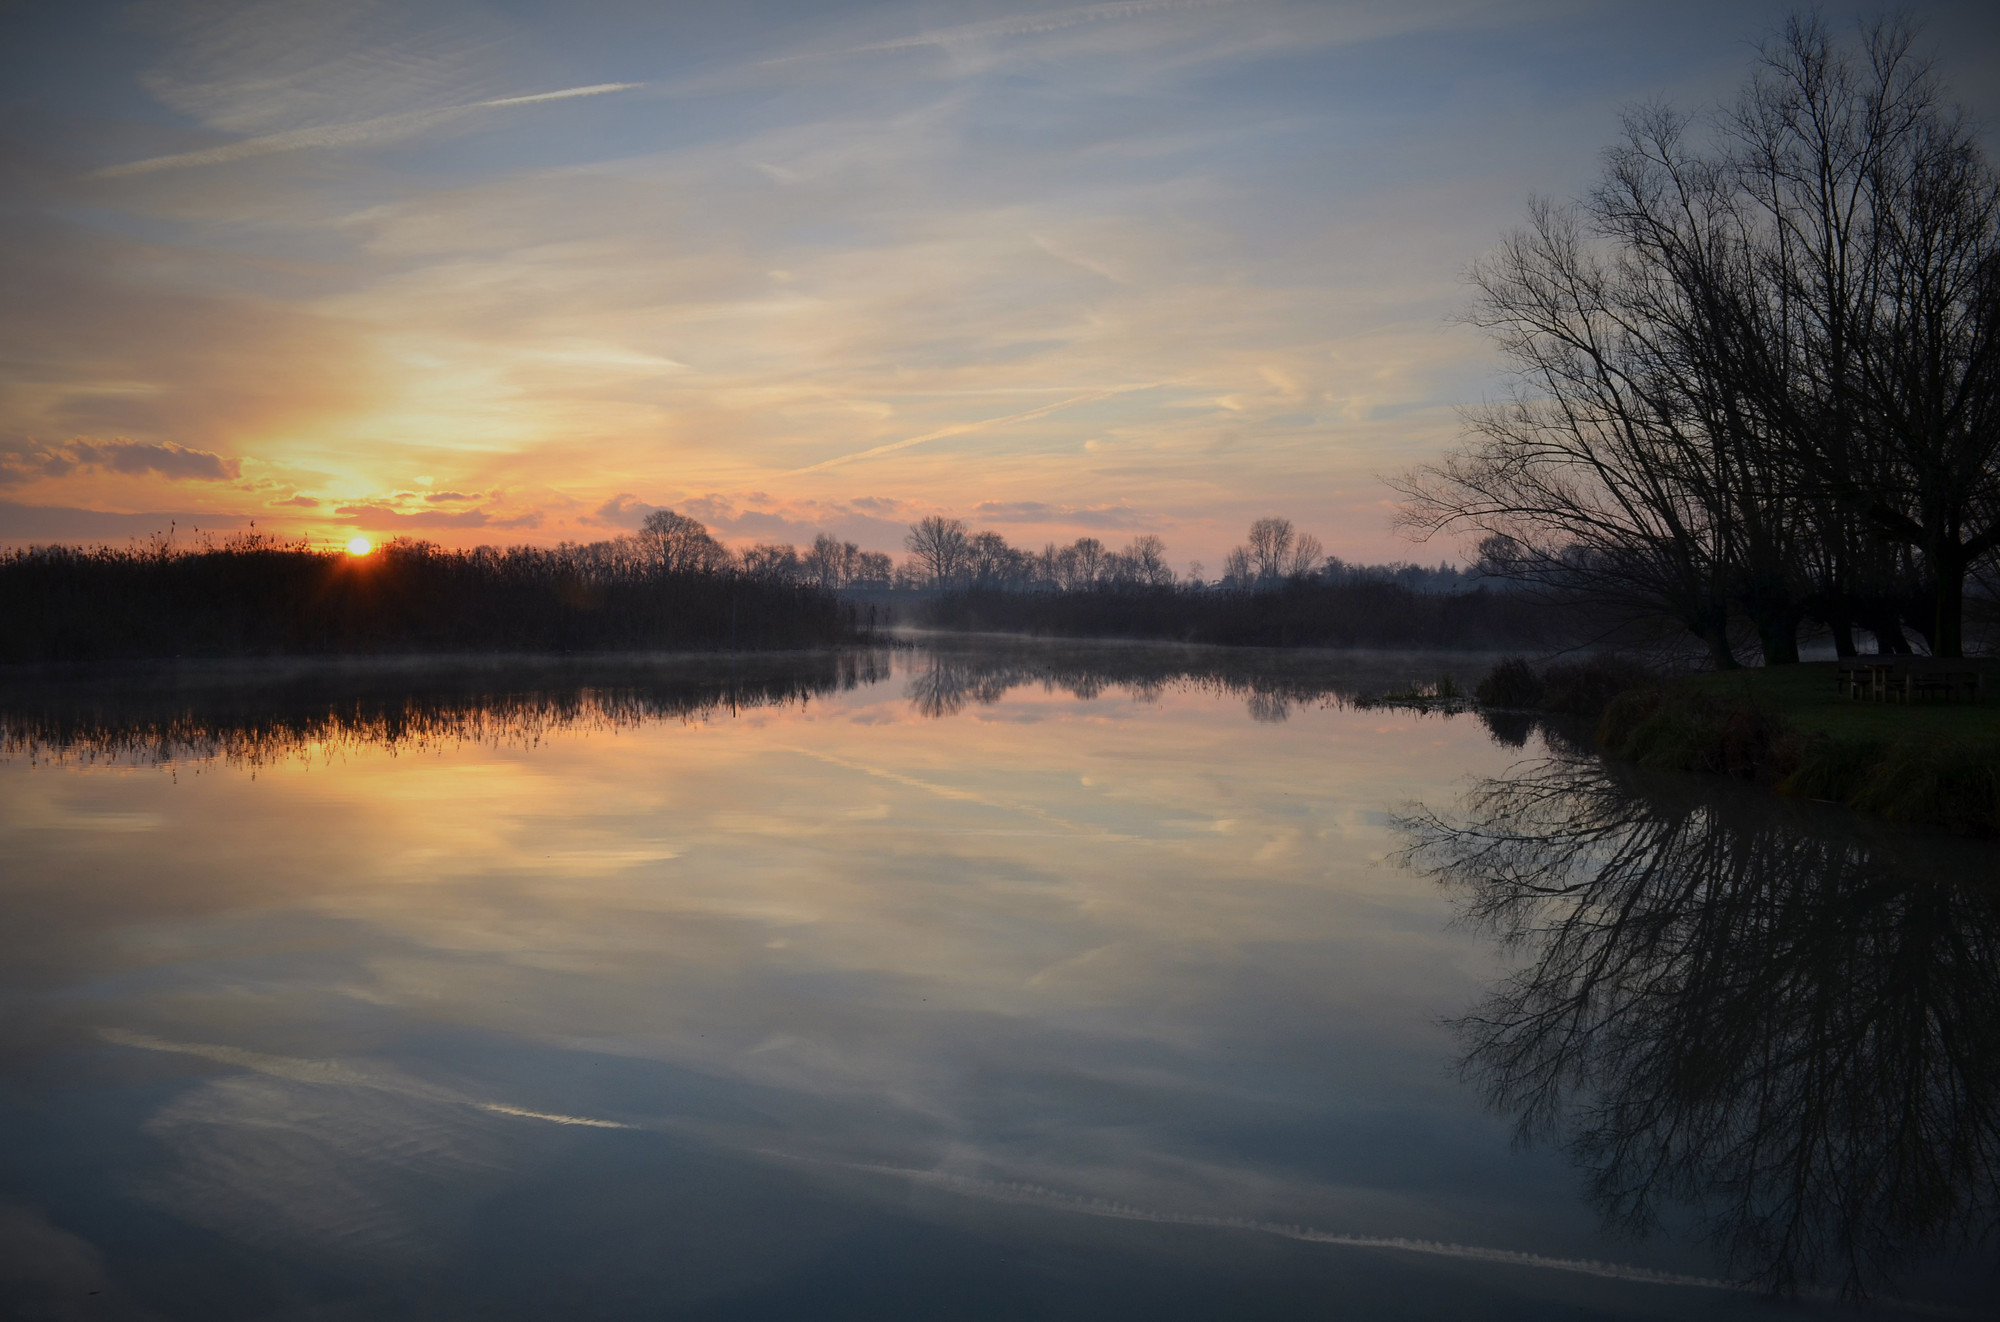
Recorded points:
(1905, 678)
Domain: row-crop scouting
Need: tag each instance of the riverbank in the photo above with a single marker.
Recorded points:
(1932, 764)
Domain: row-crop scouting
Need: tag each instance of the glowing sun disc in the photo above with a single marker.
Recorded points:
(359, 546)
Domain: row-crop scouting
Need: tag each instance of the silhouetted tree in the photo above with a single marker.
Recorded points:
(679, 544)
(775, 561)
(1144, 561)
(831, 563)
(1748, 368)
(1274, 552)
(872, 569)
(941, 548)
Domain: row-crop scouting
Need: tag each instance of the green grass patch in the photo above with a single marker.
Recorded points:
(1925, 764)
(1804, 696)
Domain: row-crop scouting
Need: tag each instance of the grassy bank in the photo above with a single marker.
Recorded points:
(1930, 764)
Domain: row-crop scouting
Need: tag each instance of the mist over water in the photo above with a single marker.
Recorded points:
(993, 981)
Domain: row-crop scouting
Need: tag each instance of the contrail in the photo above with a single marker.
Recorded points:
(961, 428)
(1037, 1195)
(335, 1074)
(595, 89)
(342, 135)
(552, 1117)
(1011, 27)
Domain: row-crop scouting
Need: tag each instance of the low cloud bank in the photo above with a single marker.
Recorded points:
(175, 462)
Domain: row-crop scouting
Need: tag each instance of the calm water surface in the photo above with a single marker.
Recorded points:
(1008, 983)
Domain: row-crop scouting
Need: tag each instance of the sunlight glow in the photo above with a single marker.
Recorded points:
(359, 546)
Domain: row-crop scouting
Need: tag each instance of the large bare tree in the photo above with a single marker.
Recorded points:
(941, 548)
(680, 545)
(1754, 369)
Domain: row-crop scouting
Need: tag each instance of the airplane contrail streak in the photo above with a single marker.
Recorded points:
(1010, 27)
(341, 135)
(963, 428)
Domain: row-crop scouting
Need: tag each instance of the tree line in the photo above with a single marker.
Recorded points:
(671, 586)
(1278, 589)
(1755, 368)
(946, 556)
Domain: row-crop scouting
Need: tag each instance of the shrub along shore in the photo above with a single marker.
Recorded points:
(1789, 727)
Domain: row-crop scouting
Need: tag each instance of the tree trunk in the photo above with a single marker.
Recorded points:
(1772, 608)
(1838, 617)
(1778, 636)
(1948, 635)
(1881, 619)
(1715, 633)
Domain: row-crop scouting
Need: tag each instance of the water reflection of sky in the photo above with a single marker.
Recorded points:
(819, 1007)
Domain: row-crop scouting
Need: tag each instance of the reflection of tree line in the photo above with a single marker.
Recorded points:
(945, 684)
(257, 712)
(257, 715)
(1785, 1025)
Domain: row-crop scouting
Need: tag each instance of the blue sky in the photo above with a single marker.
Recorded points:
(499, 272)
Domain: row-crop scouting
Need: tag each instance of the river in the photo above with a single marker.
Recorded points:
(987, 981)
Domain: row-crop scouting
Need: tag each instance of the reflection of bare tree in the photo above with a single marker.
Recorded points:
(1269, 708)
(944, 687)
(1786, 1027)
(948, 683)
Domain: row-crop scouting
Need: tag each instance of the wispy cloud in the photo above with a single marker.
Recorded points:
(966, 428)
(381, 128)
(1042, 512)
(1024, 26)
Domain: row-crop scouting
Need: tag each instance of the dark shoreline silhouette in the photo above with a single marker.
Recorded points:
(255, 597)
(1298, 613)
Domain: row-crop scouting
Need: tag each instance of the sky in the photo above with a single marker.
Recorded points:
(498, 272)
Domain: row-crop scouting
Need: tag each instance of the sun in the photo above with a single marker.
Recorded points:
(359, 546)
